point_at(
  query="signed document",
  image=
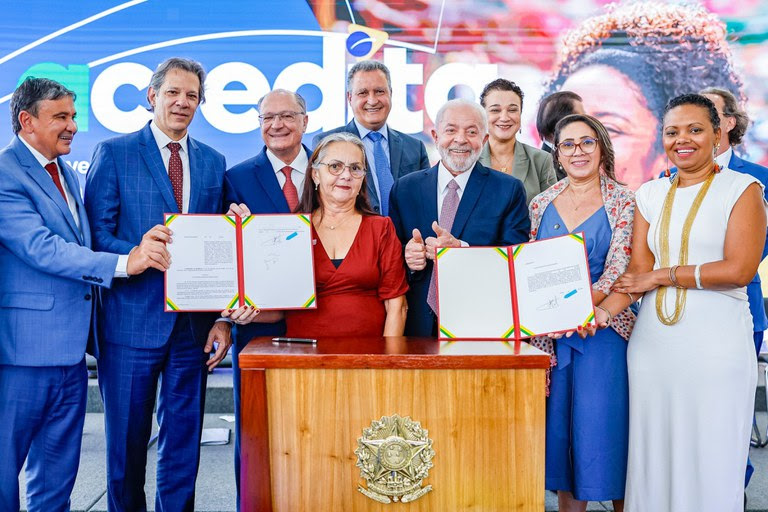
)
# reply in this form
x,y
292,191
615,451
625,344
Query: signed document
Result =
x,y
220,262
514,292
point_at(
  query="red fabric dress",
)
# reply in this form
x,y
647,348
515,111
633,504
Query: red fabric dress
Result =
x,y
350,299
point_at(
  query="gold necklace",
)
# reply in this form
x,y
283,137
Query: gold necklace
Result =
x,y
332,228
506,169
662,232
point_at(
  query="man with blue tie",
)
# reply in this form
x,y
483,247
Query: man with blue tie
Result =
x,y
133,180
475,206
390,154
48,286
270,182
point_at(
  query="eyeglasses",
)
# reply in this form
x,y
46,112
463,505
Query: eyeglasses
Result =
x,y
286,117
568,147
336,167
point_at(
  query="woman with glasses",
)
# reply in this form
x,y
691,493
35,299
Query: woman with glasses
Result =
x,y
699,236
587,409
503,103
359,268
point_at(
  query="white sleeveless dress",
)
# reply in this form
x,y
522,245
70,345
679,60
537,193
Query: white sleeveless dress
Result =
x,y
692,384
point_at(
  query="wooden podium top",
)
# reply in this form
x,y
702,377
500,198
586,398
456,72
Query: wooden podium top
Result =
x,y
391,352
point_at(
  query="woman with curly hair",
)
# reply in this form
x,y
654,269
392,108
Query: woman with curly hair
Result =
x,y
629,62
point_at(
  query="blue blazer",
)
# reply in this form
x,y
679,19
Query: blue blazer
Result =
x,y
48,270
754,288
127,192
406,155
493,211
254,183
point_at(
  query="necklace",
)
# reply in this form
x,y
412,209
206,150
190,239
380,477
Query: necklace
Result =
x,y
333,227
506,169
662,232
571,195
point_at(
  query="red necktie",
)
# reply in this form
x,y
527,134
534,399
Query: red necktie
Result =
x,y
289,189
53,170
176,173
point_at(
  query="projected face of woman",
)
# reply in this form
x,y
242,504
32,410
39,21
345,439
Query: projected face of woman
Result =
x,y
619,104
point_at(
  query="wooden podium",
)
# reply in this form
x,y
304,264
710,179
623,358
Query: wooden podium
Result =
x,y
305,406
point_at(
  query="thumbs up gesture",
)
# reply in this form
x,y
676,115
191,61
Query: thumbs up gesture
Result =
x,y
444,239
415,252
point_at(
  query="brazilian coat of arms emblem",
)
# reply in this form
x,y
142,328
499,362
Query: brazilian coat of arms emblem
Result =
x,y
394,456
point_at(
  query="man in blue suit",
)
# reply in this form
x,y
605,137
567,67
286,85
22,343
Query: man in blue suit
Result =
x,y
133,180
733,123
390,154
475,206
270,182
47,291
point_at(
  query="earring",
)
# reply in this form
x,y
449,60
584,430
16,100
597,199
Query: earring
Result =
x,y
667,172
317,184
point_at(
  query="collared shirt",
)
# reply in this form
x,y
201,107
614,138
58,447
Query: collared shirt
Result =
x,y
443,177
162,141
121,269
71,203
368,143
724,160
548,144
299,166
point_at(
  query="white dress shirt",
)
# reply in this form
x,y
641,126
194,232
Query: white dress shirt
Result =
x,y
162,141
725,159
299,166
122,259
444,176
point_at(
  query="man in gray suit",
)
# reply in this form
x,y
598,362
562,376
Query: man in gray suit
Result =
x,y
391,154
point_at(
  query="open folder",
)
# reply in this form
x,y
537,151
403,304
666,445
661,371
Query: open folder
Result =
x,y
514,292
220,262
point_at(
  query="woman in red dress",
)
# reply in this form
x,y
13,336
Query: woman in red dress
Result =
x,y
359,267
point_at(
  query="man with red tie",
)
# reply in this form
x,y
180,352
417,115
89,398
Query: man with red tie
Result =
x,y
133,180
270,182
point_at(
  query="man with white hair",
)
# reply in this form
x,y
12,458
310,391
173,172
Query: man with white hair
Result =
x,y
456,203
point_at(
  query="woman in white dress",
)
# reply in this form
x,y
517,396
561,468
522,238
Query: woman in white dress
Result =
x,y
698,238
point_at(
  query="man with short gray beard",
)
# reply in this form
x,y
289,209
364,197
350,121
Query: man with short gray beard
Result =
x,y
456,203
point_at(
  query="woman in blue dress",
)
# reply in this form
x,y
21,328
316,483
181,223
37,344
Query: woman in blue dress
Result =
x,y
587,409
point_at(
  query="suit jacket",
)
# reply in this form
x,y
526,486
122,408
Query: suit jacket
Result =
x,y
48,270
406,155
754,288
531,166
492,211
254,183
127,192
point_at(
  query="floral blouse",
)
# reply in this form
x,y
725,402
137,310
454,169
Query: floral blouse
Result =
x,y
619,203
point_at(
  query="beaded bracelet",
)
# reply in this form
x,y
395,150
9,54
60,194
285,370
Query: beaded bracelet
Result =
x,y
697,277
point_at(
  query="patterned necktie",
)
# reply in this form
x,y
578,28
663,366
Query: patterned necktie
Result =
x,y
176,173
289,189
53,170
447,215
383,170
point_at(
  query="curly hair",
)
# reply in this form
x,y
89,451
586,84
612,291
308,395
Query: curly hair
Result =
x,y
732,109
666,49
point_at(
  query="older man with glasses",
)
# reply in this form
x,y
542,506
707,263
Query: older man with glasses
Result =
x,y
268,183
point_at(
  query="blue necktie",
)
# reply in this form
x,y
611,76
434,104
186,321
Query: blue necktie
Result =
x,y
383,172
